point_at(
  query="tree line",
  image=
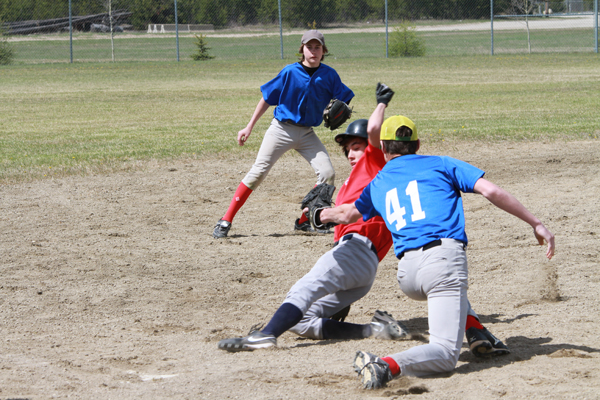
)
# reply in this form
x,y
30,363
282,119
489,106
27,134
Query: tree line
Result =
x,y
232,13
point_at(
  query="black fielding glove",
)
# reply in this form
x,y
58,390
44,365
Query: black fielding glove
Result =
x,y
383,93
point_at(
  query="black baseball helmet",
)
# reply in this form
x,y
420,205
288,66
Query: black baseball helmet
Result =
x,y
356,128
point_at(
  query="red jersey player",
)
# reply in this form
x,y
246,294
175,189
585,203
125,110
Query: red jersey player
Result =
x,y
315,307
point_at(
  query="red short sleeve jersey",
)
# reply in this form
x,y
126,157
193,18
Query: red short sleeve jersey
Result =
x,y
362,174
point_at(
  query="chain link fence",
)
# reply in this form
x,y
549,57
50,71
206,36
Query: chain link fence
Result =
x,y
49,31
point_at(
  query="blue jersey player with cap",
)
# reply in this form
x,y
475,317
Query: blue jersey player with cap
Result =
x,y
316,306
419,198
300,93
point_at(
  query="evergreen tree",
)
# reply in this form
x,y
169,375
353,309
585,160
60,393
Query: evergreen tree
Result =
x,y
202,52
405,43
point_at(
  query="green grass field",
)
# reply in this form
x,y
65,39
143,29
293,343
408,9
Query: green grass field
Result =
x,y
141,46
60,119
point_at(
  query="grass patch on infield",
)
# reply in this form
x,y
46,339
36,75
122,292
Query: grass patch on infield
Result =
x,y
60,119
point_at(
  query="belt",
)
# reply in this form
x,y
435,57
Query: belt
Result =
x,y
293,123
351,236
428,246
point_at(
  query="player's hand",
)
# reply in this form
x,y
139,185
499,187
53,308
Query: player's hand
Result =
x,y
543,234
243,136
383,93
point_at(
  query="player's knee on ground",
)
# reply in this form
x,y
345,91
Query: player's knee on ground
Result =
x,y
449,354
448,363
426,360
442,365
448,358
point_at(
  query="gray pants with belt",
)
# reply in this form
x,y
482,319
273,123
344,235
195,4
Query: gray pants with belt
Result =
x,y
439,276
281,137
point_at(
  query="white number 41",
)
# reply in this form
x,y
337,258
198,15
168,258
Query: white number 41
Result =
x,y
395,213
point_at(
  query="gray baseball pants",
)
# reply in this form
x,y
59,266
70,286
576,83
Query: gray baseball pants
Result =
x,y
281,137
439,276
339,278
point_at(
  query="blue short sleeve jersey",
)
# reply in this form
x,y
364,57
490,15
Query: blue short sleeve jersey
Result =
x,y
419,198
301,98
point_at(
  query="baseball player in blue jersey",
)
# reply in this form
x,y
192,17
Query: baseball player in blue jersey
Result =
x,y
419,198
300,93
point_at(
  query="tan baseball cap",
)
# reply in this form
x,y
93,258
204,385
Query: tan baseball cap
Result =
x,y
392,124
313,34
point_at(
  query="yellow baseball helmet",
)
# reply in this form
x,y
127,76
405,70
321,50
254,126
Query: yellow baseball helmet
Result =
x,y
392,124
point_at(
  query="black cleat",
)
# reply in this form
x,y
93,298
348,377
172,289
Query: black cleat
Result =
x,y
256,340
373,372
341,315
483,344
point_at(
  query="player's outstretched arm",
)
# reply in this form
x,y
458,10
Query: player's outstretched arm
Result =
x,y
374,125
383,95
507,202
261,107
342,214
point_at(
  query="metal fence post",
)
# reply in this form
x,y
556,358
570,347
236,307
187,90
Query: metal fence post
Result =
x,y
492,23
386,31
176,31
112,32
71,31
280,29
596,25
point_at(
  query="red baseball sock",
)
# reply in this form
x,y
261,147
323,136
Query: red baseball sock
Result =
x,y
303,217
473,322
239,198
394,367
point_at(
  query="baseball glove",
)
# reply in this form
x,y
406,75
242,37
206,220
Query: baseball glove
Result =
x,y
335,114
316,200
383,93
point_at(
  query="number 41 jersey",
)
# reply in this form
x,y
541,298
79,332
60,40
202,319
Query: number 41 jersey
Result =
x,y
419,198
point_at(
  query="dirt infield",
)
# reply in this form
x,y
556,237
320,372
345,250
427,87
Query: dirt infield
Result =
x,y
113,287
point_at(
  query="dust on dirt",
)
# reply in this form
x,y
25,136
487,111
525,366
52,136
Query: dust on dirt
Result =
x,y
113,286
